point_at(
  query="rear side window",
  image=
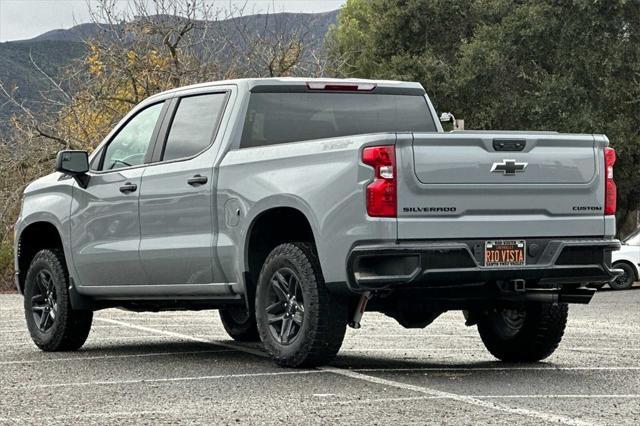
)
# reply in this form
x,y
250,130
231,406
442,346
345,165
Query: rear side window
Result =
x,y
274,118
193,126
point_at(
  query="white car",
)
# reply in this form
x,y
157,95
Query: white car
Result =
x,y
627,259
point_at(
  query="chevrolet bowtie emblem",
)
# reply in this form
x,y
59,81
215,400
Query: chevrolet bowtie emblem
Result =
x,y
508,167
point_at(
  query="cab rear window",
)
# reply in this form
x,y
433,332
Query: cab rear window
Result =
x,y
275,118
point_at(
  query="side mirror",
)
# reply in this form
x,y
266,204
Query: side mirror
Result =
x,y
446,117
75,164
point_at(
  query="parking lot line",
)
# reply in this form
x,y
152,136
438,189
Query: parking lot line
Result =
x,y
481,349
429,397
164,379
109,357
185,336
512,368
540,415
109,415
24,329
29,342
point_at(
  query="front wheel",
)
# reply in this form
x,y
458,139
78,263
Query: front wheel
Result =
x,y
527,333
52,323
299,321
624,281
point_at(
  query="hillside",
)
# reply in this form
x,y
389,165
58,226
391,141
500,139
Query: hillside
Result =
x,y
54,50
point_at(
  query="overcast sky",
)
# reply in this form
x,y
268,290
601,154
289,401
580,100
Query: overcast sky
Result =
x,y
23,19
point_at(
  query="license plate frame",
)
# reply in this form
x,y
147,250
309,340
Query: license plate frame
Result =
x,y
505,253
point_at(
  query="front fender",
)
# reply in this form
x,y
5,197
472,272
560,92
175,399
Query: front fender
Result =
x,y
48,200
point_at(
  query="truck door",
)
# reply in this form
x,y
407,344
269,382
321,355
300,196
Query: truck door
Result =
x,y
177,199
105,226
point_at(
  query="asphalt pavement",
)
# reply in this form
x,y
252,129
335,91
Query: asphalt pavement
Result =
x,y
181,367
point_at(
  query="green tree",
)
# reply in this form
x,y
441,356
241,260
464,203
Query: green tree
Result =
x,y
570,66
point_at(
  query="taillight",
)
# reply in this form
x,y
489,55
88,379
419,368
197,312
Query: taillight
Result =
x,y
381,193
610,186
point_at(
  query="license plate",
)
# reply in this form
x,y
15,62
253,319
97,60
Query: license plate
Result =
x,y
505,253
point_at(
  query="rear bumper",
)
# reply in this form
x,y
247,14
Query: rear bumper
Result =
x,y
553,265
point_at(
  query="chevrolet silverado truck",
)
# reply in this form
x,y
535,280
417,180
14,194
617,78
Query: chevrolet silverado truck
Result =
x,y
292,205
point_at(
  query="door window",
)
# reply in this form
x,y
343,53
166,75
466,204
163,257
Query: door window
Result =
x,y
194,125
129,147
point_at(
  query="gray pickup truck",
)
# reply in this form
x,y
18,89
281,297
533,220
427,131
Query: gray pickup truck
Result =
x,y
292,205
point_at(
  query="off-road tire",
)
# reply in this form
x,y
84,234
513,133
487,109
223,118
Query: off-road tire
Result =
x,y
70,328
626,281
325,317
537,338
239,324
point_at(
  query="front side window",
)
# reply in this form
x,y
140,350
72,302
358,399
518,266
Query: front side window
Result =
x,y
193,125
129,147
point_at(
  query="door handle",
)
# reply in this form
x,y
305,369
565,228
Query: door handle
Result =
x,y
197,180
509,145
128,188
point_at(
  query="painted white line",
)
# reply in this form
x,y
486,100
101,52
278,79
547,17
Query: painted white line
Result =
x,y
110,415
420,398
110,357
163,380
540,415
365,334
546,417
185,336
481,349
599,349
24,329
97,339
567,396
425,350
514,368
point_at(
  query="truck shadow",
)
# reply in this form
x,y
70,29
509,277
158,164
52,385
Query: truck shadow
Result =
x,y
373,363
636,286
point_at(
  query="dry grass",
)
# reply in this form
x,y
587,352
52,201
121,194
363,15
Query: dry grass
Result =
x,y
6,281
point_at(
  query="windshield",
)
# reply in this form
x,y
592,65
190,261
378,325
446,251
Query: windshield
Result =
x,y
633,239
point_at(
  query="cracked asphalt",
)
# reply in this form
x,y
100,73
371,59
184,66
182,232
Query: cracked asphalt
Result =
x,y
181,367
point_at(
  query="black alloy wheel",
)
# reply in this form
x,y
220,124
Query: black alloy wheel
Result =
x,y
301,324
54,325
285,310
44,303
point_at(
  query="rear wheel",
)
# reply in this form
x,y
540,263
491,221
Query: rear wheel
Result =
x,y
240,324
52,323
300,322
523,334
624,281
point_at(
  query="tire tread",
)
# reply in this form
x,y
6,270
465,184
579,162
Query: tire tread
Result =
x,y
539,337
321,344
73,326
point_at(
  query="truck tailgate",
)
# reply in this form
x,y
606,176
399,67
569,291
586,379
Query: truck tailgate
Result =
x,y
500,184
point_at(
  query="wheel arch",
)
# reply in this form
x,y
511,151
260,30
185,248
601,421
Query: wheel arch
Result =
x,y
32,238
269,228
